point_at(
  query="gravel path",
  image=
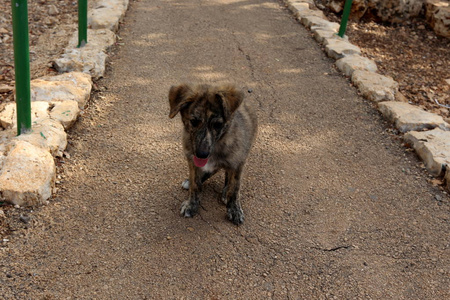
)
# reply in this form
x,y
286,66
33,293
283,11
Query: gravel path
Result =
x,y
335,207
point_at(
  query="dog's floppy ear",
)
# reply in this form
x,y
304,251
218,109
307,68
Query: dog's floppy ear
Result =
x,y
178,95
231,99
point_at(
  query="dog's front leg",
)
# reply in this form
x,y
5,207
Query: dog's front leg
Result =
x,y
233,182
189,208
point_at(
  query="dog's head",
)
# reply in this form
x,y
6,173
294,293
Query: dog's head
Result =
x,y
206,113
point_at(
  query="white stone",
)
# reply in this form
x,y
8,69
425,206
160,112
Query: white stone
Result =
x,y
6,88
5,137
311,19
91,58
47,134
7,115
351,63
433,147
437,13
375,87
74,86
337,48
39,110
324,30
320,35
407,117
107,14
66,112
335,6
98,40
333,26
310,3
28,175
89,62
296,7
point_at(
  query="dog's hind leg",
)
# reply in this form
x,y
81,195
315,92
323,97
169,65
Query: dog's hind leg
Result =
x,y
231,189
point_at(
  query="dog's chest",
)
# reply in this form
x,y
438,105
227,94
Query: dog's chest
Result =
x,y
210,166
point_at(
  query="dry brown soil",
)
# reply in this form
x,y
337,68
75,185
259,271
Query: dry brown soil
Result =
x,y
412,54
335,207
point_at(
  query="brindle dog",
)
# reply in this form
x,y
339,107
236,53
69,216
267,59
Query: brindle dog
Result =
x,y
219,130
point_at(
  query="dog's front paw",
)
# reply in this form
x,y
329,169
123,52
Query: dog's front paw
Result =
x,y
188,209
185,184
235,215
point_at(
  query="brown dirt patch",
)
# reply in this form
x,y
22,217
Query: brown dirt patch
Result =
x,y
51,23
412,54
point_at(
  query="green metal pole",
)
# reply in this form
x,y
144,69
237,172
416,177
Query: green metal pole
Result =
x,y
82,22
21,64
345,15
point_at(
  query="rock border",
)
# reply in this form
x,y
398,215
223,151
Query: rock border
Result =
x,y
427,133
27,164
28,170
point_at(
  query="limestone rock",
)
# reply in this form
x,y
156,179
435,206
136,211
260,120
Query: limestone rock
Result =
x,y
74,86
91,58
66,112
335,6
310,4
8,117
433,147
80,60
28,175
375,87
358,9
337,48
107,14
2,159
39,110
437,13
320,35
5,137
324,30
6,88
351,63
325,24
98,40
407,117
47,134
392,11
311,17
296,7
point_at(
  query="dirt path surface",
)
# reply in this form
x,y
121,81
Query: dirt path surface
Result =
x,y
335,207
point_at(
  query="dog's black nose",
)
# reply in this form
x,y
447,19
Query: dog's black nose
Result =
x,y
202,153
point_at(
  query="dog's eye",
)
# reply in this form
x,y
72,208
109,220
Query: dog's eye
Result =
x,y
217,125
195,122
